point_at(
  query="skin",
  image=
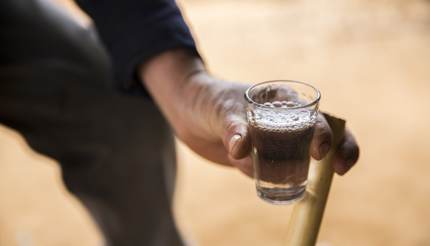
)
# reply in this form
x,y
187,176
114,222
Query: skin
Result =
x,y
208,114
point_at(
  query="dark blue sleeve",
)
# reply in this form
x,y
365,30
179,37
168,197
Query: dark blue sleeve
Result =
x,y
135,30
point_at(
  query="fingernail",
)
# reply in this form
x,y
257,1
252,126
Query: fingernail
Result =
x,y
324,148
232,145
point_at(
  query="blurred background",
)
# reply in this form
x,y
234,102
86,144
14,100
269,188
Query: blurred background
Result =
x,y
371,61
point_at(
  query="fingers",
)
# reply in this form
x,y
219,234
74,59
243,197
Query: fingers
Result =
x,y
237,142
322,139
236,138
347,154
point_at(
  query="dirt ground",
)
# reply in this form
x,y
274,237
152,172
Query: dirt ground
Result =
x,y
370,59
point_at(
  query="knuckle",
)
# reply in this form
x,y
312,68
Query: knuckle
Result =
x,y
231,125
234,123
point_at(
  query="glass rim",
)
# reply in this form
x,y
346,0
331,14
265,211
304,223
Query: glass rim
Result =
x,y
313,102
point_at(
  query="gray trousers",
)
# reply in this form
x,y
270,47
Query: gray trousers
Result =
x,y
116,150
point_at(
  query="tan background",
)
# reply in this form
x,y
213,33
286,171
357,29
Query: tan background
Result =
x,y
370,59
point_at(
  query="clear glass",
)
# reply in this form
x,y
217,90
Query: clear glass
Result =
x,y
281,118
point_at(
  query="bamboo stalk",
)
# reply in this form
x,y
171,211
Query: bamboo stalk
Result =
x,y
307,214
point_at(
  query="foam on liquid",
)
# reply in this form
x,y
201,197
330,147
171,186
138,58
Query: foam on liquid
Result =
x,y
278,117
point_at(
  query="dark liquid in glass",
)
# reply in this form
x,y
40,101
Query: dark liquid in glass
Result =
x,y
281,156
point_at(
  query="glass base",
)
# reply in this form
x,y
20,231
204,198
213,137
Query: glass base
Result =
x,y
281,196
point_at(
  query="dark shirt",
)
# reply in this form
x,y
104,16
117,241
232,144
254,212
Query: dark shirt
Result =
x,y
135,30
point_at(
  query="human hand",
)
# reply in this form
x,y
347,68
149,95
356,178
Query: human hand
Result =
x,y
223,111
208,114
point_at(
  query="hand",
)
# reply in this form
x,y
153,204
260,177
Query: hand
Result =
x,y
208,114
227,140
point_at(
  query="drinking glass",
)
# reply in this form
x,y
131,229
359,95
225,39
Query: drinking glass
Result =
x,y
281,118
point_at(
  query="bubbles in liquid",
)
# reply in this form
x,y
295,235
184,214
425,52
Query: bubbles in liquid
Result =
x,y
290,104
277,104
276,118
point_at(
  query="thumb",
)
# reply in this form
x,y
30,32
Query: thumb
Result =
x,y
236,138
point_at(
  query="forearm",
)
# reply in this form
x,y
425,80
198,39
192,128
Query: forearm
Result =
x,y
168,78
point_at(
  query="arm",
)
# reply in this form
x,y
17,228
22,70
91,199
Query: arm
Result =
x,y
151,38
195,104
208,114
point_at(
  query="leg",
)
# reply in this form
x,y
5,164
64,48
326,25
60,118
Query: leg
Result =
x,y
126,187
113,149
115,154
